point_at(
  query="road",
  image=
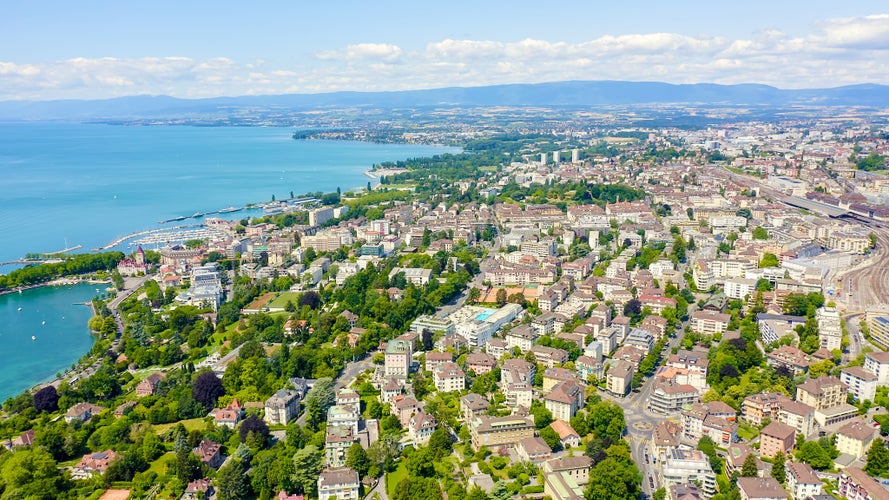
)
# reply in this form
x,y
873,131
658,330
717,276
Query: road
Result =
x,y
345,378
641,422
130,286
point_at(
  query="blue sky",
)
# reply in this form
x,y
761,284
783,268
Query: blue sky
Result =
x,y
99,49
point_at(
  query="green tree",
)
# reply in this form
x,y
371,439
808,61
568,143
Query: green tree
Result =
x,y
232,482
760,234
551,437
417,488
769,260
473,295
306,469
749,468
660,494
813,454
356,458
421,463
31,473
440,443
779,471
614,480
501,297
877,458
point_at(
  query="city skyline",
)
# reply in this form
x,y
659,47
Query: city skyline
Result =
x,y
104,49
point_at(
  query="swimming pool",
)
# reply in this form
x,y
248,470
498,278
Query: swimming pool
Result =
x,y
485,315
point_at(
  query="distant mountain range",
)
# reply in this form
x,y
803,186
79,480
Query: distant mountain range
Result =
x,y
572,93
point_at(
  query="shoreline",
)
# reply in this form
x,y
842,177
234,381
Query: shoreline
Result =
x,y
56,282
79,367
383,172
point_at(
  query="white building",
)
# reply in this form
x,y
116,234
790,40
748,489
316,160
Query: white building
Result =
x,y
862,383
281,407
341,484
878,363
830,332
448,377
689,466
802,482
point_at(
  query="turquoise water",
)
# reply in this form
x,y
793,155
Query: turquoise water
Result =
x,y
65,184
485,315
58,320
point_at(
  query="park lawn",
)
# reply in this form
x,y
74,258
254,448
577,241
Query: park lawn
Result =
x,y
492,168
747,432
158,466
190,425
393,478
281,300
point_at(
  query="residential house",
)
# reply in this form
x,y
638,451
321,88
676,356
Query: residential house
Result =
x,y
480,362
522,337
761,488
209,453
685,492
588,368
448,377
855,484
397,358
435,359
339,484
473,405
877,362
802,482
337,441
798,415
81,412
421,427
735,456
534,449
281,407
689,466
669,397
619,378
709,322
568,437
564,400
552,376
549,356
789,357
776,437
666,437
200,489
228,416
855,438
822,392
93,463
148,386
862,383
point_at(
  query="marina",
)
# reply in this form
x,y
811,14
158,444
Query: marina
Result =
x,y
166,237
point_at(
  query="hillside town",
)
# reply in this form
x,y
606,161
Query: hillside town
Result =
x,y
669,313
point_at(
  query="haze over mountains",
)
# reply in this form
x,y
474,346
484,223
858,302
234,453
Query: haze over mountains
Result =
x,y
569,94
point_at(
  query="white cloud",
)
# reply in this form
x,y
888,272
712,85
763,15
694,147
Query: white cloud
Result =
x,y
363,51
836,52
869,32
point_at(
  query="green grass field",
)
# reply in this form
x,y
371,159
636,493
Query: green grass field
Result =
x,y
281,300
158,466
190,425
393,478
